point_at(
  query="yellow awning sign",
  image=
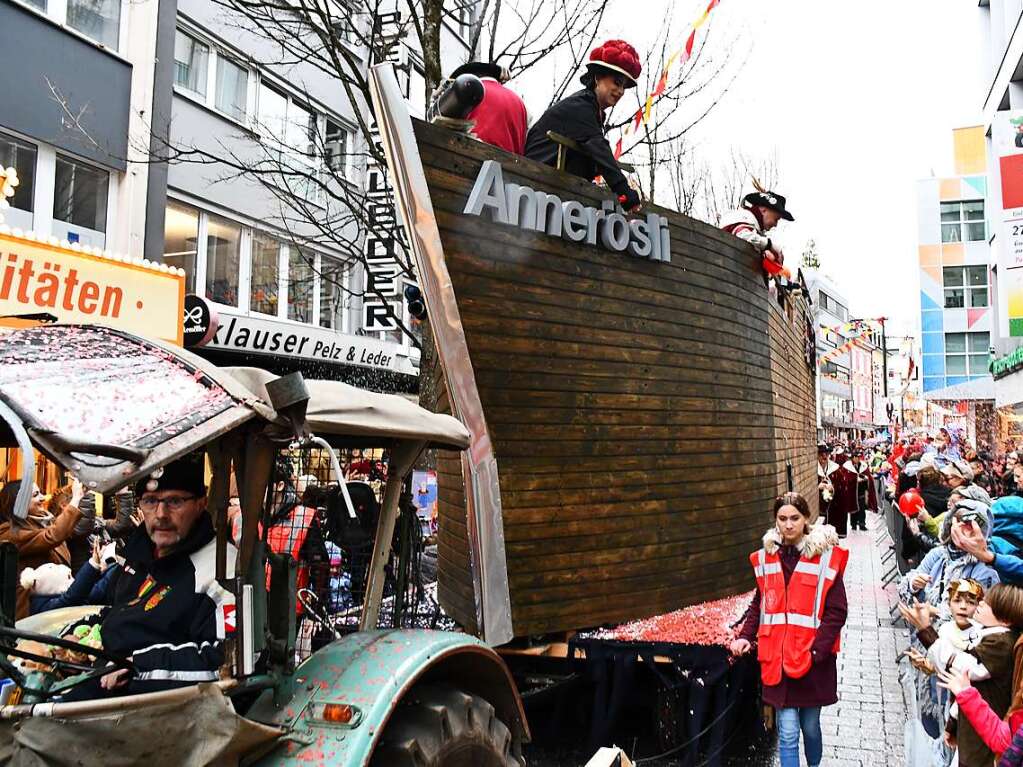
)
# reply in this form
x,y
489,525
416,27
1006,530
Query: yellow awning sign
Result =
x,y
90,287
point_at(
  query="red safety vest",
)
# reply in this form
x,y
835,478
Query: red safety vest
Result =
x,y
288,537
790,615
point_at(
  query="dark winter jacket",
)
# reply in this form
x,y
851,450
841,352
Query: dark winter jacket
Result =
x,y
995,652
819,687
169,615
578,117
935,498
88,588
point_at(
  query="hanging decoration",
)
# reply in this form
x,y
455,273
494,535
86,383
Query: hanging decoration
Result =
x,y
857,340
681,56
8,182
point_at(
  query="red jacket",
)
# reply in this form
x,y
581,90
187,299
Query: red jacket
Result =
x,y
501,117
993,730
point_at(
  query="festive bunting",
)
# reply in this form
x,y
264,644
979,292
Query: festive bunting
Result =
x,y
680,56
838,351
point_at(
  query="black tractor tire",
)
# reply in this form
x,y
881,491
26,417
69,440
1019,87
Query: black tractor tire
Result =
x,y
440,726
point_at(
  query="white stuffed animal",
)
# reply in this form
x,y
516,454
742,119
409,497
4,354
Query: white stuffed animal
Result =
x,y
46,580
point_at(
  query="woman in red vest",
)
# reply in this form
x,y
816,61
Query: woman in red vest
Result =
x,y
795,621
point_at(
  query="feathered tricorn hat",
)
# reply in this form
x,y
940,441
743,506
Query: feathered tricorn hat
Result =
x,y
767,199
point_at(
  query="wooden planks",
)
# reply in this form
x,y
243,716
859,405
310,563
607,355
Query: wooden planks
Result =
x,y
643,413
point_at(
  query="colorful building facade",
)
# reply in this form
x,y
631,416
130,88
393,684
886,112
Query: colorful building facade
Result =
x,y
955,282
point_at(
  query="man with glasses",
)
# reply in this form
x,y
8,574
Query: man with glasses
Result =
x,y
169,614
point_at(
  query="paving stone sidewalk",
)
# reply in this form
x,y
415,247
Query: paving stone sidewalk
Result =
x,y
865,728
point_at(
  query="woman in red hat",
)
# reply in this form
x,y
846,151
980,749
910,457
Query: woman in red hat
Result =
x,y
611,70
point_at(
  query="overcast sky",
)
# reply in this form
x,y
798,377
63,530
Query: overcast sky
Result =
x,y
859,100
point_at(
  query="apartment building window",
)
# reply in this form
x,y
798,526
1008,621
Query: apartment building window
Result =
x,y
80,194
21,156
290,132
462,14
332,293
337,146
191,60
210,76
962,221
965,287
966,354
829,304
266,274
181,240
301,281
232,91
99,20
223,258
344,26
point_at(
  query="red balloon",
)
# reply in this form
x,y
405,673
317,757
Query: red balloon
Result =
x,y
911,503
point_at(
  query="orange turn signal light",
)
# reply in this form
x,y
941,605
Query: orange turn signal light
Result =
x,y
338,713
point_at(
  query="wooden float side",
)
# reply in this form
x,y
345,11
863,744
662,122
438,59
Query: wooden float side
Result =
x,y
642,413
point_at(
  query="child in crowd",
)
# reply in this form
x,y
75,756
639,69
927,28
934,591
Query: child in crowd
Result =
x,y
51,586
987,669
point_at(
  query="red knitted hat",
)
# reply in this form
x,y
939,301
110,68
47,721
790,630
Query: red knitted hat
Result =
x,y
618,56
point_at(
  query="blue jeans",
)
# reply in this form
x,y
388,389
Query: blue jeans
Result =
x,y
790,722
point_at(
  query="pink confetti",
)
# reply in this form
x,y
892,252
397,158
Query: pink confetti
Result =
x,y
708,623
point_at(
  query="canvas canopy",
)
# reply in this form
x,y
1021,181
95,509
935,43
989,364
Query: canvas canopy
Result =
x,y
336,408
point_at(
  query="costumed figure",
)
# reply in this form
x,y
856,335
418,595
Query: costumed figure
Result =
x,y
501,118
844,501
796,621
866,494
612,68
760,213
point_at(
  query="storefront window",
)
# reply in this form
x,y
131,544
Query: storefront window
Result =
x,y
265,283
99,20
223,241
180,240
22,157
332,294
301,278
80,194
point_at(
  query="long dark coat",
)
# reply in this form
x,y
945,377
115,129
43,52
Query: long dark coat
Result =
x,y
819,687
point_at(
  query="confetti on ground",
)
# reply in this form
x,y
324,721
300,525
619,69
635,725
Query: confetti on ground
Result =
x,y
708,623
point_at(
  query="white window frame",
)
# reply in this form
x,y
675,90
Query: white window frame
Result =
x,y
966,288
969,352
56,11
963,222
218,51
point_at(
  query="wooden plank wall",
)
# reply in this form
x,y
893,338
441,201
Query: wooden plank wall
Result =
x,y
637,408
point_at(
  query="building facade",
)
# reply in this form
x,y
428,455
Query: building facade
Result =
x,y
90,110
955,286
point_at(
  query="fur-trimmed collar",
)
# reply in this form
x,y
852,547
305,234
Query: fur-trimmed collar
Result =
x,y
820,538
832,468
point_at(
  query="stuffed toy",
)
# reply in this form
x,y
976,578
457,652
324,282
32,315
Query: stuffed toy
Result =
x,y
46,580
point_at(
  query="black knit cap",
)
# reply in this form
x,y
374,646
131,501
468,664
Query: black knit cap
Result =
x,y
186,474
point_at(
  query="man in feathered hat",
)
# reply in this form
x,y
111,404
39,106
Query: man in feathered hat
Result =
x,y
760,213
611,70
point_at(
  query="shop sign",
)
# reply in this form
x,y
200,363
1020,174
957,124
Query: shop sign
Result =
x,y
199,322
1007,142
529,209
255,335
1010,363
84,287
381,305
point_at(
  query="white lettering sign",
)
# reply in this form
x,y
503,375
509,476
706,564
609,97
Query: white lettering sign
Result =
x,y
527,208
262,336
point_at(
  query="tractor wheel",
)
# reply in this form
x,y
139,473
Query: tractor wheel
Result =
x,y
440,726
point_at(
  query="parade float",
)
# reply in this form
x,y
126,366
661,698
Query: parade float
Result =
x,y
635,393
